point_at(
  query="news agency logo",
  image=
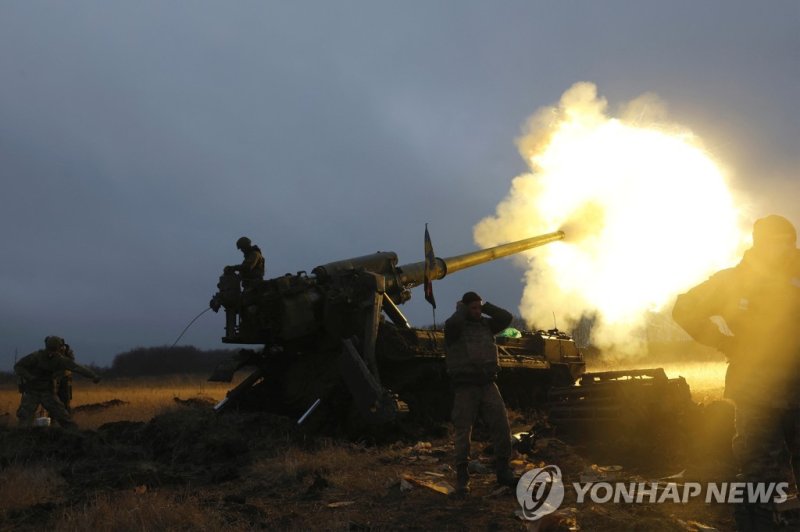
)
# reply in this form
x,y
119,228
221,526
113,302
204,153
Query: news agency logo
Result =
x,y
540,492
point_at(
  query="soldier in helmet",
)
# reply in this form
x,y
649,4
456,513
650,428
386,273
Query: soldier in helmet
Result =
x,y
750,312
64,381
252,267
472,366
38,373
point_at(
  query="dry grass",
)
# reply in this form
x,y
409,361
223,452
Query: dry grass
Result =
x,y
24,486
145,398
349,469
281,488
131,511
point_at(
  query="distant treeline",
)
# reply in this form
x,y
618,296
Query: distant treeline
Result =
x,y
165,360
154,361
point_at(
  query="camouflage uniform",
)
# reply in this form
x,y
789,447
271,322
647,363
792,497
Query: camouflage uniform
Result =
x,y
64,382
472,366
766,440
760,304
253,265
38,372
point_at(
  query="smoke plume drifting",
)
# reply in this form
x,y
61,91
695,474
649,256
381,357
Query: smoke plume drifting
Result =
x,y
646,211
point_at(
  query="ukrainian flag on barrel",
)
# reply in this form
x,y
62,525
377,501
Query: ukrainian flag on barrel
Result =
x,y
430,267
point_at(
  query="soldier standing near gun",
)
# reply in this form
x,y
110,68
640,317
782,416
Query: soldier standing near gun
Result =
x,y
64,382
252,267
759,304
472,366
38,373
235,291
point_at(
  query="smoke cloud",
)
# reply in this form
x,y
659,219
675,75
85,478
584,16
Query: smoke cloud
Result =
x,y
647,213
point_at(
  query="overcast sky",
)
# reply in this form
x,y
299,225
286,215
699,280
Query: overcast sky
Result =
x,y
139,140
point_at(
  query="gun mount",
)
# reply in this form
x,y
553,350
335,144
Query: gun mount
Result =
x,y
325,336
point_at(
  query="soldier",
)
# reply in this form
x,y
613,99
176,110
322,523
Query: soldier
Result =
x,y
472,366
252,267
64,382
38,372
750,312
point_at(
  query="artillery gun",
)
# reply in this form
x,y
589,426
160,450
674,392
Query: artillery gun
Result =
x,y
327,340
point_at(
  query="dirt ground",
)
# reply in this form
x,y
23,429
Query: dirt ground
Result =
x,y
156,456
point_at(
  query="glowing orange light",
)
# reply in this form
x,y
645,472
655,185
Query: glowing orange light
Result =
x,y
647,214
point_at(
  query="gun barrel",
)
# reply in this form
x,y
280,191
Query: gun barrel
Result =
x,y
413,274
468,260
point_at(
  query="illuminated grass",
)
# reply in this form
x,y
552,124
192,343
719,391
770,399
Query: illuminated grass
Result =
x,y
145,398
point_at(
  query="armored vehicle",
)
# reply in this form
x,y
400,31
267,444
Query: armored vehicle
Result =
x,y
336,339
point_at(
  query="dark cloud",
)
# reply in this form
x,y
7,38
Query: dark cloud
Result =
x,y
139,140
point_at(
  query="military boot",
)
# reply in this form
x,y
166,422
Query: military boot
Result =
x,y
505,476
462,480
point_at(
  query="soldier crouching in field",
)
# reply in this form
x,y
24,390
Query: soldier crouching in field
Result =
x,y
472,366
38,373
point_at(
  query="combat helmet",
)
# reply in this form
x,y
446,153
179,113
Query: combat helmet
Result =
x,y
243,243
53,343
773,227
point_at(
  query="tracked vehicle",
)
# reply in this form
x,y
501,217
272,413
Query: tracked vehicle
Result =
x,y
336,339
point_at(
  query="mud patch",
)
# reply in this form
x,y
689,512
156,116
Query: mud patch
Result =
x,y
185,446
40,444
195,402
97,407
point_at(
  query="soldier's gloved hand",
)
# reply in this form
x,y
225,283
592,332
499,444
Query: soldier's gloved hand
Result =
x,y
96,379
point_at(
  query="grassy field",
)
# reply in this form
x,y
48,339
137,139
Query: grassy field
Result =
x,y
157,463
147,397
35,492
144,398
